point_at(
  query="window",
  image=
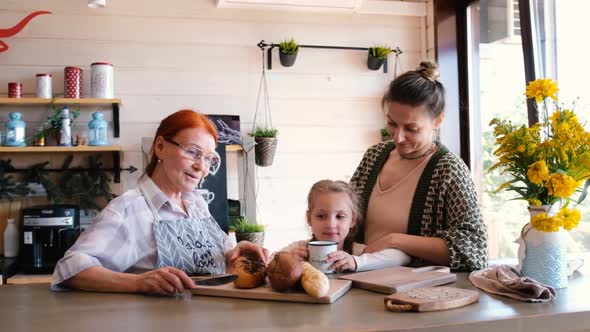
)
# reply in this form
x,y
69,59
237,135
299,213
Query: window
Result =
x,y
497,83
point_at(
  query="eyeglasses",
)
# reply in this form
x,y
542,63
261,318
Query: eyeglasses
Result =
x,y
212,160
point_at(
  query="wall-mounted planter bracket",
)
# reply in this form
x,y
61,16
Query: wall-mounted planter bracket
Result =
x,y
269,47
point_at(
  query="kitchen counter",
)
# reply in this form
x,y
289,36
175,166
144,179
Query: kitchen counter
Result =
x,y
33,307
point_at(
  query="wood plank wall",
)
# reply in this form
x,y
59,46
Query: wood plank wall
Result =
x,y
170,55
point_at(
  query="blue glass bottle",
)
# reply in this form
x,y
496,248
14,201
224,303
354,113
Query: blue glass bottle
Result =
x,y
14,130
97,130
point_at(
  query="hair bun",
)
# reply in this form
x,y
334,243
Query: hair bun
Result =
x,y
428,70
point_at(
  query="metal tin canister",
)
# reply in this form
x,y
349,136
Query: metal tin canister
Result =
x,y
102,80
72,82
44,86
15,90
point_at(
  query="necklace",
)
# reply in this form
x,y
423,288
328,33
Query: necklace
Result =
x,y
417,157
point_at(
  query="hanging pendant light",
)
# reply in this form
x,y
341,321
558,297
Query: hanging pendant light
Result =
x,y
97,3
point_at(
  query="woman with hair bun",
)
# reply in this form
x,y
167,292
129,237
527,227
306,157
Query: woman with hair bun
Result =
x,y
150,239
416,195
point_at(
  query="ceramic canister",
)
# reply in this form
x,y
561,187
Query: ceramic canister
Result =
x,y
44,86
102,80
72,82
15,90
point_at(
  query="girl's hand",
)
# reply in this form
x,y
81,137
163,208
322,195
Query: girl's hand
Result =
x,y
300,251
342,261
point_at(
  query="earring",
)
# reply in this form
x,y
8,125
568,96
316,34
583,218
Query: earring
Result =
x,y
159,161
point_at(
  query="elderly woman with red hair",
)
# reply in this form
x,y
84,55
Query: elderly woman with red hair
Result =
x,y
150,239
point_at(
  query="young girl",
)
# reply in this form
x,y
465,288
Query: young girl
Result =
x,y
333,213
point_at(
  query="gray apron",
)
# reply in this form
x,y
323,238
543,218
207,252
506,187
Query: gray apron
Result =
x,y
193,245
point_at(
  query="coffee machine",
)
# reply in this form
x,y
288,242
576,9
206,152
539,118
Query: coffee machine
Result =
x,y
48,231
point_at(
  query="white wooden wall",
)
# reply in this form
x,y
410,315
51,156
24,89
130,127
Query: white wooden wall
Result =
x,y
170,55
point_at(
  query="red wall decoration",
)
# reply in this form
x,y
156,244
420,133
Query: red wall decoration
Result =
x,y
5,33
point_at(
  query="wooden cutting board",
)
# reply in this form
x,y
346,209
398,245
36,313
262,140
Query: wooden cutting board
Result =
x,y
337,289
431,299
399,279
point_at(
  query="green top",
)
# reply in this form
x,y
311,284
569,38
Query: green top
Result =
x,y
445,204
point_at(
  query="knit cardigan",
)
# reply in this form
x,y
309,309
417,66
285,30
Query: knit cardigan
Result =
x,y
444,205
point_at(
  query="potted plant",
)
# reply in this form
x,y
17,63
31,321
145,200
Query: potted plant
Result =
x,y
385,135
266,145
377,55
246,231
288,52
53,125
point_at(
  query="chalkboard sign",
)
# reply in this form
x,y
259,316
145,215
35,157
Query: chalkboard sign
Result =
x,y
228,128
214,190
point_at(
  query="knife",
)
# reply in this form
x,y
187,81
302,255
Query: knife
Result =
x,y
214,279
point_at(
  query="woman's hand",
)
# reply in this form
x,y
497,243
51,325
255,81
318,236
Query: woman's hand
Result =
x,y
246,246
342,261
385,242
165,281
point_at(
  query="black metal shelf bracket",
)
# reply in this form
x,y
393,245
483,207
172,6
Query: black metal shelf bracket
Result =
x,y
263,45
116,169
116,125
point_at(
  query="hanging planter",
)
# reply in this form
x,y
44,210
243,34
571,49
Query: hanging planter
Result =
x,y
377,56
266,146
288,52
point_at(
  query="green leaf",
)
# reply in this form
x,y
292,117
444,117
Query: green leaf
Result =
x,y
584,191
288,46
265,132
242,225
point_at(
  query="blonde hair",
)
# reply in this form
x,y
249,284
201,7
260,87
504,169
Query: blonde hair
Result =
x,y
331,186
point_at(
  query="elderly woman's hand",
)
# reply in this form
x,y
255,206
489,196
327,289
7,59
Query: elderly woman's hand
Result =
x,y
165,281
244,247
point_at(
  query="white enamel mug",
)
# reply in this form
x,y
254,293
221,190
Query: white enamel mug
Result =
x,y
318,253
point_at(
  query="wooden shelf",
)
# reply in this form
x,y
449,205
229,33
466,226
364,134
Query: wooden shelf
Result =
x,y
44,101
81,148
114,102
233,147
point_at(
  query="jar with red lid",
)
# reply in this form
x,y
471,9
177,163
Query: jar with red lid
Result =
x,y
44,86
72,82
15,90
102,80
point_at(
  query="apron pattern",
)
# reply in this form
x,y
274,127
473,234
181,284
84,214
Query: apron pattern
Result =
x,y
193,245
187,246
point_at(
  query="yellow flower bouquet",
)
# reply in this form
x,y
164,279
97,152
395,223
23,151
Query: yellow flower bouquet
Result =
x,y
549,161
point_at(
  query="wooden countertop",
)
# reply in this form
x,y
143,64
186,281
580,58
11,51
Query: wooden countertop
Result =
x,y
34,307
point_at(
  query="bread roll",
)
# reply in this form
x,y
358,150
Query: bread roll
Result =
x,y
314,282
284,271
251,271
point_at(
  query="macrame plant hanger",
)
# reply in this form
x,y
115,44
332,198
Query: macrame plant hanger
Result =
x,y
262,93
265,137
